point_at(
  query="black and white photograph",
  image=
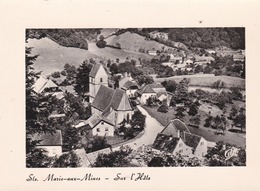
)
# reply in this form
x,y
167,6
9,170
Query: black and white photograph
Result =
x,y
135,97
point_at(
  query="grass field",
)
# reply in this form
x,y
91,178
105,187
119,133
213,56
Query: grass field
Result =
x,y
206,80
133,42
52,57
237,139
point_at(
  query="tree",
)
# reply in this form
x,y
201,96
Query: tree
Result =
x,y
101,43
193,109
236,93
208,121
75,107
82,78
114,69
67,160
170,85
179,112
115,158
163,108
218,85
216,156
181,92
71,138
142,79
241,121
138,120
36,119
233,112
98,143
195,120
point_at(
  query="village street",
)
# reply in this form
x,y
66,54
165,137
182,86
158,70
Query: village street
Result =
x,y
152,128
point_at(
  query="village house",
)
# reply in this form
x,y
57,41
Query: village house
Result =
x,y
154,91
176,138
52,143
152,52
239,57
128,84
46,86
99,126
89,159
211,51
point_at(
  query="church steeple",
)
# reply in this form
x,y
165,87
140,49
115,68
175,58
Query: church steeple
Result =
x,y
98,76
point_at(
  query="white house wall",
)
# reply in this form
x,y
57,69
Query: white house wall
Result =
x,y
201,149
103,129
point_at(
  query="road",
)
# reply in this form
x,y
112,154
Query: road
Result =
x,y
152,128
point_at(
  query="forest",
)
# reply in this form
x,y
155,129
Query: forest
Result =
x,y
198,37
66,37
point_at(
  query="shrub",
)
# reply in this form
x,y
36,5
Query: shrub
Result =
x,y
163,108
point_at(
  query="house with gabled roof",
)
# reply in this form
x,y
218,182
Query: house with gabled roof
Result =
x,y
52,143
171,144
112,104
44,85
177,138
128,84
99,125
154,91
97,77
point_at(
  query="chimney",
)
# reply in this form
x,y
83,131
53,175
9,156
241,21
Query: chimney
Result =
x,y
178,133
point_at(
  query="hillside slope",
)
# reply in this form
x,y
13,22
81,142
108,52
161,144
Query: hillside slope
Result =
x,y
52,57
133,42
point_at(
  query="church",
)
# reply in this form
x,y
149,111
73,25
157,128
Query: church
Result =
x,y
112,105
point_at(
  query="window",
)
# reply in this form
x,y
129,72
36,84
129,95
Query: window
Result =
x,y
98,130
101,79
202,143
180,145
102,122
106,129
181,151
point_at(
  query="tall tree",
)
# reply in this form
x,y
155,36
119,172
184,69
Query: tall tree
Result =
x,y
82,78
36,120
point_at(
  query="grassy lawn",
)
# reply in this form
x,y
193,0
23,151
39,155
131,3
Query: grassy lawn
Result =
x,y
235,138
206,80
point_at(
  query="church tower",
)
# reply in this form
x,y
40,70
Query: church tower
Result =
x,y
97,76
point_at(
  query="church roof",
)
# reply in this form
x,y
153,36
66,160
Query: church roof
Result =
x,y
103,98
107,98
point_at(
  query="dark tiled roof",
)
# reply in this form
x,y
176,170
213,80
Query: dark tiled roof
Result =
x,y
129,84
173,127
146,89
191,140
103,98
107,98
94,70
180,125
48,139
165,143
